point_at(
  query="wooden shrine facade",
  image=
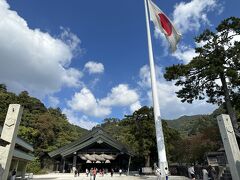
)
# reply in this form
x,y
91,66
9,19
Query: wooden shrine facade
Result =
x,y
96,149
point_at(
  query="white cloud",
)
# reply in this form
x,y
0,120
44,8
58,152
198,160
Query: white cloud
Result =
x,y
170,104
184,54
85,102
144,74
71,77
70,39
93,83
94,67
53,101
135,106
120,95
189,16
33,60
82,121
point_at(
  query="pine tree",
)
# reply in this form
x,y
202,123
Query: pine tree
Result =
x,y
215,72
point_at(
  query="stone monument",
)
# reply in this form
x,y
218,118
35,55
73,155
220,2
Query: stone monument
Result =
x,y
230,144
9,134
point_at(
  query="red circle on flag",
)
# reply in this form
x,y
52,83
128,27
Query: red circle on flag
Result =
x,y
166,24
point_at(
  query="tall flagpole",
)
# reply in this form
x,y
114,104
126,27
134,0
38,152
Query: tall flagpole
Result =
x,y
157,116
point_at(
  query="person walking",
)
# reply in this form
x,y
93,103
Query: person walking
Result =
x,y
166,172
112,171
103,171
120,172
212,173
205,173
91,174
158,173
75,173
13,174
94,173
191,172
87,172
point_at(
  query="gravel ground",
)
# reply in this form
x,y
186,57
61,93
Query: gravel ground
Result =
x,y
67,176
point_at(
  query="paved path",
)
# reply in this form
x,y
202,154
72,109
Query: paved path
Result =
x,y
67,176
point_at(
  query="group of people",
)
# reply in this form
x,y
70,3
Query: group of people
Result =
x,y
158,172
208,173
94,171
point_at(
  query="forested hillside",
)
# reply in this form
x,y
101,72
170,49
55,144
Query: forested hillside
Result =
x,y
190,125
45,128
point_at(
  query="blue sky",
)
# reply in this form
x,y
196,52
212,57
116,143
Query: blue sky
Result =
x,y
90,57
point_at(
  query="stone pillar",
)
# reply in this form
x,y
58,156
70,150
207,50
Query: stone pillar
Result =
x,y
74,162
230,145
9,134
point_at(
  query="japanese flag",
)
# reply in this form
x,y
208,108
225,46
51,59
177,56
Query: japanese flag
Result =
x,y
162,22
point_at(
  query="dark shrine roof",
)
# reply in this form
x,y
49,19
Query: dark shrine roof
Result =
x,y
22,150
19,141
96,135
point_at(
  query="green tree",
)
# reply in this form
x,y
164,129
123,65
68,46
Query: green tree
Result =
x,y
6,98
144,131
217,60
137,131
193,148
34,166
3,88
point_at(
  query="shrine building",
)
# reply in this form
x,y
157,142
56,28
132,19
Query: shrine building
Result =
x,y
95,149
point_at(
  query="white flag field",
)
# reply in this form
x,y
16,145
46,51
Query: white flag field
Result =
x,y
163,23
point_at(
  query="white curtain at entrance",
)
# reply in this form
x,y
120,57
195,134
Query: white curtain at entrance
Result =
x,y
97,157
